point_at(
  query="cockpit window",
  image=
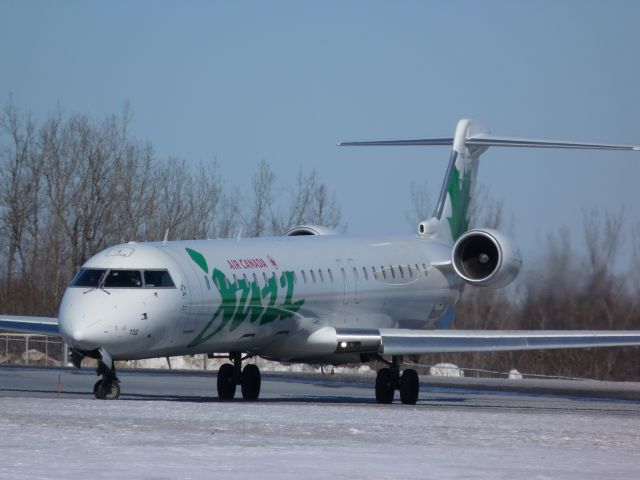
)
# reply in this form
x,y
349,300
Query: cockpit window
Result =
x,y
88,277
104,278
123,279
157,279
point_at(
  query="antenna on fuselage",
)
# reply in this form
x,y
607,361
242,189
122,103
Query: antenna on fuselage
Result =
x,y
166,237
239,234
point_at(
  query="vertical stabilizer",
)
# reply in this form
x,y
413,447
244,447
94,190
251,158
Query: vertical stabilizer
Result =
x,y
452,215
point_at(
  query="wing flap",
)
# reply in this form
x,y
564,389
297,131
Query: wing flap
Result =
x,y
42,325
411,342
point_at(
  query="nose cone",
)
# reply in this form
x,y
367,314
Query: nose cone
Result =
x,y
77,322
65,319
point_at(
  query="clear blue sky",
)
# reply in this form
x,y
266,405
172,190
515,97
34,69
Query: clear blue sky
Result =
x,y
285,80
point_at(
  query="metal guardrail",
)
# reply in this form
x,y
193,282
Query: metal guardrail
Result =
x,y
32,349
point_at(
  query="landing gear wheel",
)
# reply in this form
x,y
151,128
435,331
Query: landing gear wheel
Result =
x,y
250,382
226,382
104,390
385,389
409,387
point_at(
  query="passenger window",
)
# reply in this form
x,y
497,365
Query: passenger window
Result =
x,y
410,271
366,275
235,279
295,277
304,276
313,276
123,279
393,273
330,275
355,274
244,275
88,277
255,278
321,275
384,272
401,271
206,280
264,277
425,269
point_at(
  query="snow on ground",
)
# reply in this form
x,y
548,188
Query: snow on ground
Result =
x,y
81,438
446,370
198,362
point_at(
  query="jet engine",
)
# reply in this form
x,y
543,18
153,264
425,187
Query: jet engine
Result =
x,y
309,230
486,258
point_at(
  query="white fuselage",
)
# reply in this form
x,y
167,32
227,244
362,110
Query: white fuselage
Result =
x,y
266,296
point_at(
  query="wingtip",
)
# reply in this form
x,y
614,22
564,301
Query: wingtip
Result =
x,y
636,148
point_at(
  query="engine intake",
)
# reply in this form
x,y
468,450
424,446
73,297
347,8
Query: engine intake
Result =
x,y
486,258
301,230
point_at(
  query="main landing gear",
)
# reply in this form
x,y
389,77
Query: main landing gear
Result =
x,y
232,375
389,380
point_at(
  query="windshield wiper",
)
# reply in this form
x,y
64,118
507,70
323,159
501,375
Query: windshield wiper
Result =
x,y
99,285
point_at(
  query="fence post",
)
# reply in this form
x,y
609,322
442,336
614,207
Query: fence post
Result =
x,y
65,354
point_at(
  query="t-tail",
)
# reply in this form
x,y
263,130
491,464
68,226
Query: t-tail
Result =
x,y
452,215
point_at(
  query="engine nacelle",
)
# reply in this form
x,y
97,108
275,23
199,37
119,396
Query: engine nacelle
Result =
x,y
486,258
309,230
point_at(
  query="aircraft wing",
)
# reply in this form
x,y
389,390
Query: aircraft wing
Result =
x,y
42,325
389,341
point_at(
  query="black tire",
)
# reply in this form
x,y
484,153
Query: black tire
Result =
x,y
106,390
226,382
96,390
384,386
250,382
409,387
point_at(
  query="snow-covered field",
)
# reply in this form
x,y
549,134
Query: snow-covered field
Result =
x,y
83,438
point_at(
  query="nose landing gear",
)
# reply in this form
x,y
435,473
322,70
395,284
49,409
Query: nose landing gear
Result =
x,y
388,380
108,387
232,375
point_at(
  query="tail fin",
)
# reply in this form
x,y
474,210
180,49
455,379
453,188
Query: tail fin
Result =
x,y
451,218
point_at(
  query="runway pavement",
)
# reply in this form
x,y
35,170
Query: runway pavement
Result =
x,y
197,386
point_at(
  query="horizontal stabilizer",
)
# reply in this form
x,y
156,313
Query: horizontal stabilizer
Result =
x,y
489,140
401,143
41,325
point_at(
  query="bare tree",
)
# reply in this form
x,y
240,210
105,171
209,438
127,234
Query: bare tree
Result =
x,y
257,216
20,201
420,203
310,203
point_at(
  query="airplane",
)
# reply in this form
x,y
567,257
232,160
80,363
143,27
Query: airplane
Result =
x,y
311,296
